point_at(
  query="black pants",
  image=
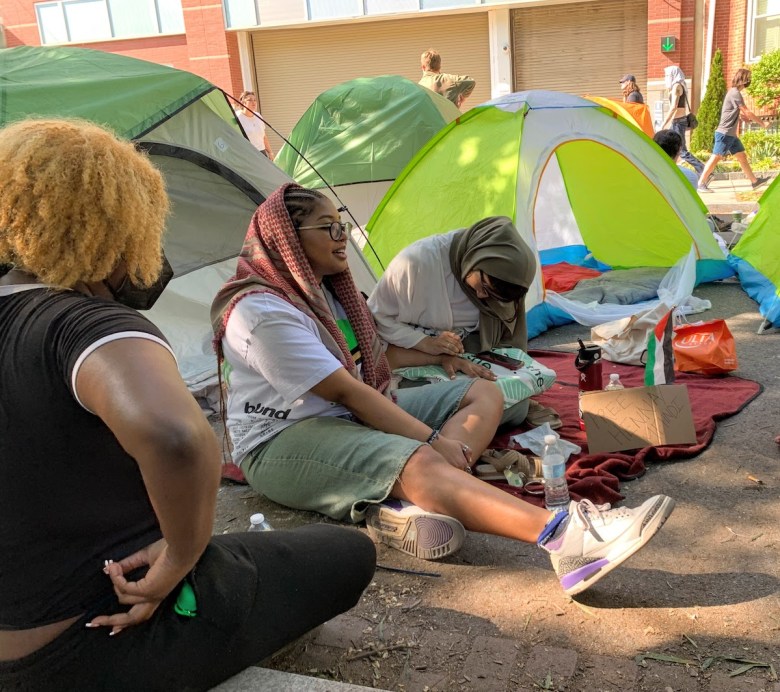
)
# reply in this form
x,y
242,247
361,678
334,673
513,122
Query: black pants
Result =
x,y
255,593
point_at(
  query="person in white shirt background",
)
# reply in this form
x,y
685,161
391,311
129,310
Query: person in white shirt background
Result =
x,y
253,125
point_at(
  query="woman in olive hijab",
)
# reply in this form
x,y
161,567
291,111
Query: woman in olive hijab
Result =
x,y
458,291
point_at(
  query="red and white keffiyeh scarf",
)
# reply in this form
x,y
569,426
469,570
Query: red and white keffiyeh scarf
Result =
x,y
273,261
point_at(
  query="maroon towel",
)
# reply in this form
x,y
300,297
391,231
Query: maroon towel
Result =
x,y
597,476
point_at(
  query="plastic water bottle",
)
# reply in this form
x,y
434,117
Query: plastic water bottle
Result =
x,y
257,522
556,491
614,383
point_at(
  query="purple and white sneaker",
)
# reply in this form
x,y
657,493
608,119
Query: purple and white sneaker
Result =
x,y
594,540
412,530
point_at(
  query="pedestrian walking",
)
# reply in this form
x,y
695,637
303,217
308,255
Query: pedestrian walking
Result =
x,y
630,89
457,88
679,108
726,139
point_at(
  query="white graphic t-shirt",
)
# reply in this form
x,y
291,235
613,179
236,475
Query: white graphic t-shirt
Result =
x,y
273,357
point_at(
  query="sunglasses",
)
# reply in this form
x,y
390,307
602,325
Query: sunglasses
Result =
x,y
336,229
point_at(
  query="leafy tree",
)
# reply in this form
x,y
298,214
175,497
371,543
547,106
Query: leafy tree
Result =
x,y
765,83
709,110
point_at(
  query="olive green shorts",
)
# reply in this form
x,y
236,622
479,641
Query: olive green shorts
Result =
x,y
338,467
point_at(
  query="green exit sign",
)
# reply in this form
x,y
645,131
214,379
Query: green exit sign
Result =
x,y
668,44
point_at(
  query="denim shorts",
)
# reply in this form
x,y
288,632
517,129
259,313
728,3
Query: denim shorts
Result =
x,y
727,144
337,467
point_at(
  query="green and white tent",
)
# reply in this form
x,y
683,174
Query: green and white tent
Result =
x,y
755,256
214,176
359,135
581,185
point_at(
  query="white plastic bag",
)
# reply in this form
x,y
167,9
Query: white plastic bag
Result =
x,y
534,440
674,289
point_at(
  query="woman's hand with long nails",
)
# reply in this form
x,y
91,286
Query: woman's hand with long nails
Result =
x,y
145,595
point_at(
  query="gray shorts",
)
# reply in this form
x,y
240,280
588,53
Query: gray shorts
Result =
x,y
337,467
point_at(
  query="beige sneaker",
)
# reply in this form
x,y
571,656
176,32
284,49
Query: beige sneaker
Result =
x,y
413,531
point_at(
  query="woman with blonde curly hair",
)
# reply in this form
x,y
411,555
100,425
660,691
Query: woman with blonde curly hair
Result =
x,y
109,470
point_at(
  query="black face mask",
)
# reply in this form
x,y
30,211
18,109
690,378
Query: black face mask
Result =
x,y
142,298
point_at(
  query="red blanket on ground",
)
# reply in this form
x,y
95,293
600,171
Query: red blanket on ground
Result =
x,y
597,476
564,277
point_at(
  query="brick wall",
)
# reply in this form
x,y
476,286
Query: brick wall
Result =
x,y
21,27
730,34
670,18
206,49
678,18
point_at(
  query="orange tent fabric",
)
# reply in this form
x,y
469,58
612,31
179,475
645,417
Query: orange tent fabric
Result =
x,y
637,114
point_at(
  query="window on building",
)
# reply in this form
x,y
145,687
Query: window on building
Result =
x,y
330,9
441,4
765,35
240,13
387,6
80,21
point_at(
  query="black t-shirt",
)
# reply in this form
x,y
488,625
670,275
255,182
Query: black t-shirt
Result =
x,y
635,97
70,496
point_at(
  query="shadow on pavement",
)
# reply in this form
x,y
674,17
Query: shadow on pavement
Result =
x,y
680,590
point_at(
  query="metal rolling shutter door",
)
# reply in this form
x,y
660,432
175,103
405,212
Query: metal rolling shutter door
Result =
x,y
294,66
580,48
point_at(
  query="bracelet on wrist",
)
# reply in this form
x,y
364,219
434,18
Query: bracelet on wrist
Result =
x,y
433,437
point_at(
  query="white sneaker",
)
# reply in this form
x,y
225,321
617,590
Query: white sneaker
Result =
x,y
412,530
593,541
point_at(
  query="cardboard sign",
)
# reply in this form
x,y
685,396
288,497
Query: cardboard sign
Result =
x,y
638,417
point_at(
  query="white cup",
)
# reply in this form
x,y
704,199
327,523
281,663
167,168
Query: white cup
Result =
x,y
737,215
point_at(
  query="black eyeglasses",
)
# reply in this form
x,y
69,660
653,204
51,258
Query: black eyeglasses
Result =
x,y
336,229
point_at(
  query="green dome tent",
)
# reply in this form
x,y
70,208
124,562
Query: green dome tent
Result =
x,y
755,256
580,184
360,134
214,176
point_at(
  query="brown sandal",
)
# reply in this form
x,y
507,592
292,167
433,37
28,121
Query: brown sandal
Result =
x,y
501,459
539,415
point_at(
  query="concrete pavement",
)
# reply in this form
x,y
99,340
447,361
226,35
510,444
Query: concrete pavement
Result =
x,y
731,194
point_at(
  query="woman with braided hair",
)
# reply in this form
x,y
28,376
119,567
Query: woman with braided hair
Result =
x,y
312,428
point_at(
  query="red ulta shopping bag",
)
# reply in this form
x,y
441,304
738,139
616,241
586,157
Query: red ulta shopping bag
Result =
x,y
706,348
